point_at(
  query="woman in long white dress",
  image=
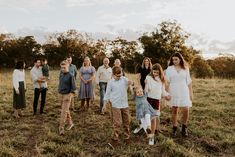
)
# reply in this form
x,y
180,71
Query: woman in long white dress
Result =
x,y
180,89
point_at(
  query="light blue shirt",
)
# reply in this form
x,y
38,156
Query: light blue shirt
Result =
x,y
116,92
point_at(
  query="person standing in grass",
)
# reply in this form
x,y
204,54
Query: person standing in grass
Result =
x,y
40,86
87,74
143,71
155,89
117,94
144,113
103,75
73,72
180,89
66,89
117,62
19,88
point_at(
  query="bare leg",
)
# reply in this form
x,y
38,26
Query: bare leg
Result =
x,y
174,115
185,116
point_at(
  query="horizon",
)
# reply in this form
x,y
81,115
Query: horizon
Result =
x,y
207,21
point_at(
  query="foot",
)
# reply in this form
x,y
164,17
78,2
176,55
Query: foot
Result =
x,y
148,130
137,130
43,112
113,144
70,126
151,141
174,130
184,131
16,115
61,131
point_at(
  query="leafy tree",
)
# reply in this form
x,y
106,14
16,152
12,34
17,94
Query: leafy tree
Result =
x,y
167,39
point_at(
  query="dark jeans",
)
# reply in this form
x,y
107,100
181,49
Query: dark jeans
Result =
x,y
103,86
37,93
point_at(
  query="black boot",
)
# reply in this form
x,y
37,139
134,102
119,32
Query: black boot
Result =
x,y
174,131
184,131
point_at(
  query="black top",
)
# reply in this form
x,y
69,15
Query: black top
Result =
x,y
66,84
143,73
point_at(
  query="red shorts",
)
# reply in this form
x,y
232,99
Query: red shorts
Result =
x,y
155,103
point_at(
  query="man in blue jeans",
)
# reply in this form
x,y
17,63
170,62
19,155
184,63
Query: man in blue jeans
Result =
x,y
103,75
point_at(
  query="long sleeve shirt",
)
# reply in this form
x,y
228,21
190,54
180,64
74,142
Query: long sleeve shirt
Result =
x,y
66,83
116,92
73,70
18,76
36,73
155,88
103,74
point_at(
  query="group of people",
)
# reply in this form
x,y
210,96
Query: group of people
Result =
x,y
174,84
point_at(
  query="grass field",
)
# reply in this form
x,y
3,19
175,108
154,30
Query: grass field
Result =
x,y
211,127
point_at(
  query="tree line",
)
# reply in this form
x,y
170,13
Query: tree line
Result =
x,y
167,38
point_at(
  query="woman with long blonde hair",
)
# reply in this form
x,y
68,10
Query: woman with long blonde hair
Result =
x,y
87,74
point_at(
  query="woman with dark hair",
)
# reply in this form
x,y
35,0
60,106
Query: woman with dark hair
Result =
x,y
143,71
19,88
180,89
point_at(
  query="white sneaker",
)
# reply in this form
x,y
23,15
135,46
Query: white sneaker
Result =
x,y
151,141
137,130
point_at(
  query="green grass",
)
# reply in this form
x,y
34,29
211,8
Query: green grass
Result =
x,y
211,127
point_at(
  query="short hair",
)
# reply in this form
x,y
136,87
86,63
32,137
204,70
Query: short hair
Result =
x,y
117,70
37,59
64,62
19,65
68,56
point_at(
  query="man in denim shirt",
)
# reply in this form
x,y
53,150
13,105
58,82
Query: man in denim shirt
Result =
x,y
73,72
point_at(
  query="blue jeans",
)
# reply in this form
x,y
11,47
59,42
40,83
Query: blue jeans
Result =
x,y
103,86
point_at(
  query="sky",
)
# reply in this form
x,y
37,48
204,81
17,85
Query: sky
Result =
x,y
210,22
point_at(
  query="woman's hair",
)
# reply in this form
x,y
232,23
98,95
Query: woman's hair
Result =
x,y
150,63
19,65
183,63
158,67
83,64
116,70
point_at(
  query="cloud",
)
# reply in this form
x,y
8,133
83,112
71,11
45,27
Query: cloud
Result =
x,y
80,3
25,5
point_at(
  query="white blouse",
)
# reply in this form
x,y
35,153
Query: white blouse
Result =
x,y
155,88
18,76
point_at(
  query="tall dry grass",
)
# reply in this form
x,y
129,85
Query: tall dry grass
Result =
x,y
211,127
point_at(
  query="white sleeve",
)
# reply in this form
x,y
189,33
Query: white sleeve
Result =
x,y
108,91
167,73
188,78
15,80
33,76
97,77
147,87
24,80
164,92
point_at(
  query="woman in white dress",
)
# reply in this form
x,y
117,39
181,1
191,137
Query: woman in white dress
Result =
x,y
180,88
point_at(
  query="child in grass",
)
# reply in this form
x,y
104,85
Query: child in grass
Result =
x,y
117,94
155,89
66,89
45,72
144,112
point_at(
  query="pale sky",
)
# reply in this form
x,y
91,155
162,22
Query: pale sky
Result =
x,y
210,22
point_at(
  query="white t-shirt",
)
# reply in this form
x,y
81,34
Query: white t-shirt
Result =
x,y
155,88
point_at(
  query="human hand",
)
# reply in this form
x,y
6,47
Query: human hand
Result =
x,y
168,97
17,92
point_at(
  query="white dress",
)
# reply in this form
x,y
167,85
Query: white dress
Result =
x,y
178,86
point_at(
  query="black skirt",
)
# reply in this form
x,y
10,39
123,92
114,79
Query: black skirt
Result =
x,y
19,99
